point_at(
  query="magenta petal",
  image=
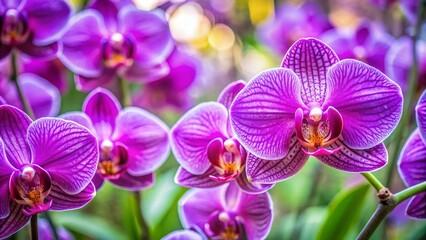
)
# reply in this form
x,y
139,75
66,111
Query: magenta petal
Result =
x,y
154,42
11,4
62,201
262,114
5,167
421,115
369,102
190,180
47,19
183,235
417,206
109,11
107,76
146,139
4,192
321,152
14,222
98,181
251,187
134,183
354,160
4,50
229,93
68,151
13,131
310,59
102,107
271,171
46,52
139,73
80,118
53,71
197,205
412,161
83,38
256,213
44,98
194,131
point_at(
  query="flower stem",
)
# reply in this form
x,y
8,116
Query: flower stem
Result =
x,y
52,225
125,94
409,192
14,78
408,101
139,216
373,181
34,227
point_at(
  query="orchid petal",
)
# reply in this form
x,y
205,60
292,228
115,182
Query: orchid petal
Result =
x,y
47,19
102,107
310,59
146,139
46,52
354,160
68,151
412,161
197,205
4,50
13,131
421,115
80,118
109,11
229,93
262,114
62,201
98,181
190,180
417,206
271,171
14,221
256,213
142,74
83,38
369,102
105,78
134,183
251,187
194,131
183,235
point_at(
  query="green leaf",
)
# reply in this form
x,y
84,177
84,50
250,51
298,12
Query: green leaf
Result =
x,y
343,213
90,226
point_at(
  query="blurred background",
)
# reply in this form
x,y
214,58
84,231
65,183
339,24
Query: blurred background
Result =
x,y
220,41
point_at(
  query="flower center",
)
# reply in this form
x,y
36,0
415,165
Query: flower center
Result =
x,y
117,51
14,28
227,157
223,225
30,187
113,159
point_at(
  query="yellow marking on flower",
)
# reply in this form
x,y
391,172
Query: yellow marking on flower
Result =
x,y
229,234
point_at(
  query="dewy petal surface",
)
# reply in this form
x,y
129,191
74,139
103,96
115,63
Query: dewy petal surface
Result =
x,y
310,59
146,139
355,160
262,114
134,183
412,161
102,107
256,212
64,201
13,131
267,171
83,38
193,132
421,115
190,180
47,19
369,102
14,222
68,151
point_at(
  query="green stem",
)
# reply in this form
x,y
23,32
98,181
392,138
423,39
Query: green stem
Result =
x,y
373,181
34,227
14,78
401,130
409,192
125,94
139,216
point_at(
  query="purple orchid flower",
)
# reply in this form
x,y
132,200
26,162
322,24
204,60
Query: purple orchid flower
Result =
x,y
133,143
45,165
412,161
400,59
205,146
171,91
315,105
43,97
46,232
116,42
409,8
183,235
32,26
226,212
291,23
368,43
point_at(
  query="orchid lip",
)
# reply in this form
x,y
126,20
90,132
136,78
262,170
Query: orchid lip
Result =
x,y
223,225
113,159
14,28
117,51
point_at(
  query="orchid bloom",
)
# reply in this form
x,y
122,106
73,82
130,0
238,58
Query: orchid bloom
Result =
x,y
133,143
32,26
412,161
205,146
225,212
45,165
116,41
315,105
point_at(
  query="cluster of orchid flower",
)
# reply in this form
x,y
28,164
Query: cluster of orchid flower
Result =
x,y
231,152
